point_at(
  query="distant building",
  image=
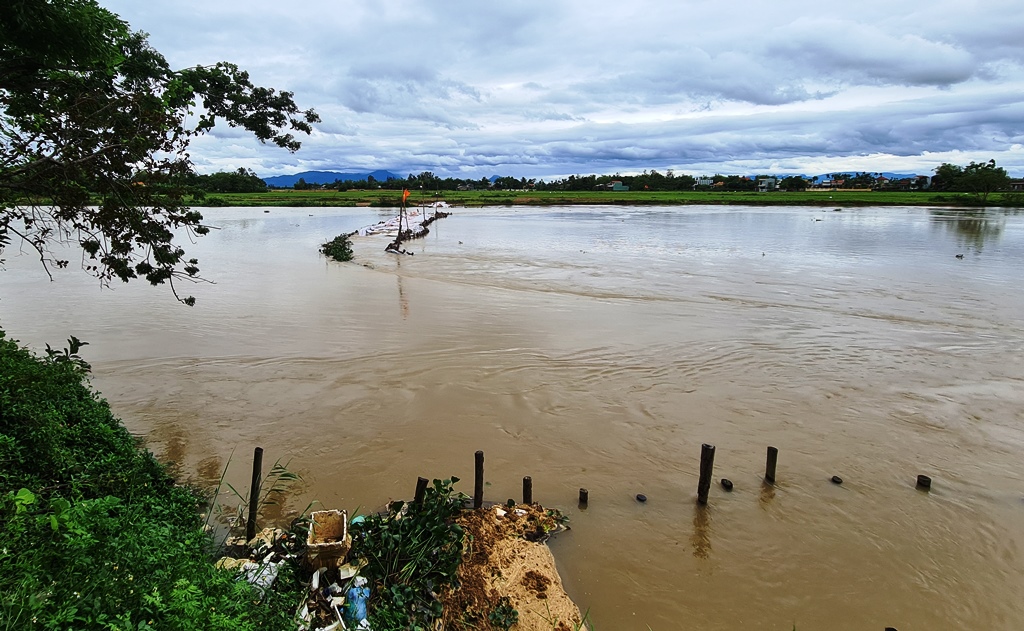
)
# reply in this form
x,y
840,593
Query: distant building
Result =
x,y
766,184
1016,185
617,186
703,181
829,183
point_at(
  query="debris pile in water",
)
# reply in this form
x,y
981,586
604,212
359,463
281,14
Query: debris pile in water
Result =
x,y
426,564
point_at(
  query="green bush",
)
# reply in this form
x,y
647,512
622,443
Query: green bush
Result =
x,y
411,552
339,248
96,534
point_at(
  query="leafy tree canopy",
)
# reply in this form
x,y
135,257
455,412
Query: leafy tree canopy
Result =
x,y
241,181
94,136
979,178
793,183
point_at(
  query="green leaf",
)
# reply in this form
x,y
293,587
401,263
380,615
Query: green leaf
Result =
x,y
22,499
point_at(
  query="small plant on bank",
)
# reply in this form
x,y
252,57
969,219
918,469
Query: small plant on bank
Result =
x,y
70,354
503,616
270,492
412,552
339,248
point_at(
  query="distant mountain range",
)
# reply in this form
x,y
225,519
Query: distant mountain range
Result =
x,y
326,177
891,176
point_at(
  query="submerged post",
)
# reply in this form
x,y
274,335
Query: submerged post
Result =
x,y
769,467
707,464
421,490
478,488
527,490
584,497
254,492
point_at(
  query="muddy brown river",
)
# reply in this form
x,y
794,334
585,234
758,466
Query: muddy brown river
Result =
x,y
599,348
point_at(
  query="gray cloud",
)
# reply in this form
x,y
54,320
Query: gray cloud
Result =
x,y
539,89
864,53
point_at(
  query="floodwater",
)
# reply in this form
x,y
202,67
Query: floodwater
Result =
x,y
599,348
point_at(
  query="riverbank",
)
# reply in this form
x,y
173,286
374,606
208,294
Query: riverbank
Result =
x,y
823,198
98,534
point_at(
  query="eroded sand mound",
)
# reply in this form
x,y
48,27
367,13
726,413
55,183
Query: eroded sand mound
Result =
x,y
505,558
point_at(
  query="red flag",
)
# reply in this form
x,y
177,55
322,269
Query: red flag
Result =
x,y
405,195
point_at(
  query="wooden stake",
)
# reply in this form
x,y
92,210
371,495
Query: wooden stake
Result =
x,y
584,497
254,493
527,490
769,467
707,464
478,488
421,491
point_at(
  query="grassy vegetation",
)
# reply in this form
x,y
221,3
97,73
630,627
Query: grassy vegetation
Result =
x,y
96,534
411,553
385,198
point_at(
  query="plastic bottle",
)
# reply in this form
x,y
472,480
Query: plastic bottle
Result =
x,y
355,604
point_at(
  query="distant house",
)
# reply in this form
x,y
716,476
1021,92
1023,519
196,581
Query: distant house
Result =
x,y
617,186
1016,185
829,183
766,184
703,181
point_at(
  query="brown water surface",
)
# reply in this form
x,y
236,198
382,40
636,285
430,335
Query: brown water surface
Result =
x,y
598,348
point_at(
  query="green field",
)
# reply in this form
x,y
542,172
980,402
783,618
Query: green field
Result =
x,y
387,198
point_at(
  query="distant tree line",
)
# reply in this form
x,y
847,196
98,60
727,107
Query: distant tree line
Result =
x,y
427,181
978,178
240,181
646,181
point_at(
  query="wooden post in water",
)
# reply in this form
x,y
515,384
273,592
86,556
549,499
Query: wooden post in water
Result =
x,y
527,490
254,493
478,488
769,467
707,464
584,497
421,490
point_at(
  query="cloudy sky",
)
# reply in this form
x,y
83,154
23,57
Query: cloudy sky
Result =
x,y
545,88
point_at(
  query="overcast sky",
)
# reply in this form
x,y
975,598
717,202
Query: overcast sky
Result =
x,y
536,88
